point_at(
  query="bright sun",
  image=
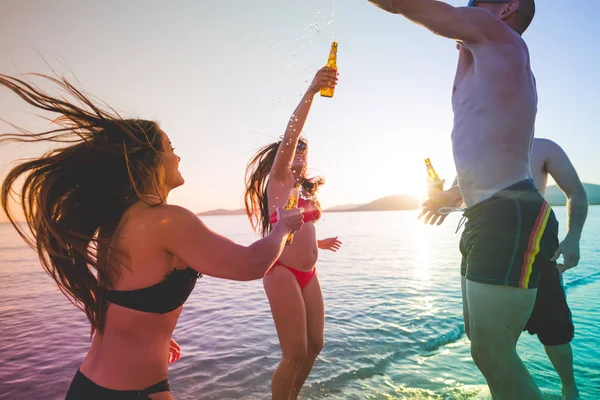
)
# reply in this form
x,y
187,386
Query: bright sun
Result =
x,y
413,183
417,189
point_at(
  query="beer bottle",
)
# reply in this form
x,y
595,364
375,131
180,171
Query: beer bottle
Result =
x,y
332,63
292,202
434,183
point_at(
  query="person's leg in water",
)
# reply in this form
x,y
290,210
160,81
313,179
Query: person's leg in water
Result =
x,y
497,315
466,317
315,319
289,315
561,357
552,321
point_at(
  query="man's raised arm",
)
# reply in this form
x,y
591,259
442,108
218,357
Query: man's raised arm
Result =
x,y
465,24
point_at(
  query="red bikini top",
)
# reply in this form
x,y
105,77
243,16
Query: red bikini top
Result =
x,y
311,211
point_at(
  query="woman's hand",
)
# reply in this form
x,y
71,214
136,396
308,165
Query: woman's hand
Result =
x,y
291,220
325,77
332,244
174,351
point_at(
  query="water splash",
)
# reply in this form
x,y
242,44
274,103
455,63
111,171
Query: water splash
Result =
x,y
306,24
332,21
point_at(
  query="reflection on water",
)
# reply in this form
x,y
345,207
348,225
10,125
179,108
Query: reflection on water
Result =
x,y
393,320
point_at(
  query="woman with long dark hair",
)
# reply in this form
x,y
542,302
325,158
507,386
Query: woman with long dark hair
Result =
x,y
292,285
97,214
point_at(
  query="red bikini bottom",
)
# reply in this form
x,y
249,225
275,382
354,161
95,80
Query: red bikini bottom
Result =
x,y
303,277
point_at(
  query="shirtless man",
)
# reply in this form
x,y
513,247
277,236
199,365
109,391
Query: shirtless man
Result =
x,y
510,228
551,317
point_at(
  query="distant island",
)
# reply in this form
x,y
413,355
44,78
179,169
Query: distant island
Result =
x,y
221,211
388,203
554,196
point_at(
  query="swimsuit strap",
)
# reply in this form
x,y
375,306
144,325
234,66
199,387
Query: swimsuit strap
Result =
x,y
450,210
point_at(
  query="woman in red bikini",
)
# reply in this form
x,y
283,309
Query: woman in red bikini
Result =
x,y
292,284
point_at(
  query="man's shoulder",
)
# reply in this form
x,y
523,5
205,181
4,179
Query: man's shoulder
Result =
x,y
544,145
548,151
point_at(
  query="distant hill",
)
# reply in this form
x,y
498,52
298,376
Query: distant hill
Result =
x,y
221,211
390,203
342,208
556,197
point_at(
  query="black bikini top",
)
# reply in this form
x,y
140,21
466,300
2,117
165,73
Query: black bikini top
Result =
x,y
166,296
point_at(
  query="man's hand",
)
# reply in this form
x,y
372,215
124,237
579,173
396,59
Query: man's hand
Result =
x,y
448,198
569,248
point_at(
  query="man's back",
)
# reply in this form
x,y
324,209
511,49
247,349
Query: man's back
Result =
x,y
495,103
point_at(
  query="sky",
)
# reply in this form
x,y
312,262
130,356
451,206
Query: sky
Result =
x,y
223,77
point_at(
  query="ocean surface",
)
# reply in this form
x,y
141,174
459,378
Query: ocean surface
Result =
x,y
394,327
